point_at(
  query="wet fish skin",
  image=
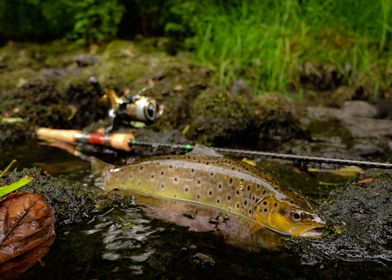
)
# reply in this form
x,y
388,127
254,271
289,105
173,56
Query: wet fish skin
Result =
x,y
222,183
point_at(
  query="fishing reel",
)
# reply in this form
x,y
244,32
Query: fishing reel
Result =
x,y
128,108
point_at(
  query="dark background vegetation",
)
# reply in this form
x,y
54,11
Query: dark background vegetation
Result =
x,y
262,42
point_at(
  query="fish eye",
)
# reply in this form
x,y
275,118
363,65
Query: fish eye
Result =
x,y
295,216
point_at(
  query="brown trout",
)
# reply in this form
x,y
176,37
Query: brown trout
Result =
x,y
206,179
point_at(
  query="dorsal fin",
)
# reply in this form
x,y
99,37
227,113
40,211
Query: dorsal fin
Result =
x,y
97,166
201,150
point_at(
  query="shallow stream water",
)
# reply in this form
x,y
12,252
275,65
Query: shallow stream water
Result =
x,y
122,243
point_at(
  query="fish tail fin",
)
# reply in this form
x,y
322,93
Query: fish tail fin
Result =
x,y
98,166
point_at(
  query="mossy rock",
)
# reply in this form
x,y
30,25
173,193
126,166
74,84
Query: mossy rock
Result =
x,y
276,118
120,64
72,203
219,117
17,78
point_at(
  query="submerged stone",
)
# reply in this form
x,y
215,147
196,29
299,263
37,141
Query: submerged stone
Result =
x,y
361,222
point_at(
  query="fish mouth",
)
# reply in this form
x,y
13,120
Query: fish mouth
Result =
x,y
315,232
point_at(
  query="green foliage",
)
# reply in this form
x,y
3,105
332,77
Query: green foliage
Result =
x,y
35,19
264,42
96,20
84,21
6,189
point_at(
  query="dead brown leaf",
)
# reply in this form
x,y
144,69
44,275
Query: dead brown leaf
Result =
x,y
26,232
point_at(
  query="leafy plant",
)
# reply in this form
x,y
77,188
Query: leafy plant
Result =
x,y
96,20
6,189
264,42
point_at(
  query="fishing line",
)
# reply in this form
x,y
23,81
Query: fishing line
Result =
x,y
251,153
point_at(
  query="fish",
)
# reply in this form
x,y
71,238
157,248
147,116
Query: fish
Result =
x,y
206,179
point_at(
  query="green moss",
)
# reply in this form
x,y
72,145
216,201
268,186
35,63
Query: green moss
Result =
x,y
71,202
276,118
218,117
13,79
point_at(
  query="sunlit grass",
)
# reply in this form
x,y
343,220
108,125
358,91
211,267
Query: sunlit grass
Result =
x,y
264,42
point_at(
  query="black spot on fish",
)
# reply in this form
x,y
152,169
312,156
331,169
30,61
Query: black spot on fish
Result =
x,y
186,189
264,192
141,168
238,205
175,179
265,203
162,173
218,201
170,166
238,192
229,197
192,170
250,211
152,176
207,163
212,174
198,196
248,187
198,182
162,186
210,193
275,204
265,209
130,176
220,186
245,202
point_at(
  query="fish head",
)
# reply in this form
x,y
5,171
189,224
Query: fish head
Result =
x,y
289,217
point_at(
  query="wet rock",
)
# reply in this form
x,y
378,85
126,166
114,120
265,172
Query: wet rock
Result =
x,y
366,127
72,202
361,109
368,149
355,122
351,109
363,213
84,60
55,72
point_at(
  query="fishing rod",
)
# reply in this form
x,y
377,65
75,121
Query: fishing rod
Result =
x,y
126,141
